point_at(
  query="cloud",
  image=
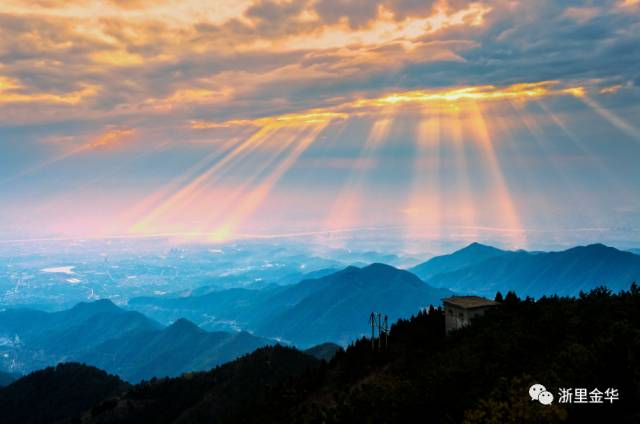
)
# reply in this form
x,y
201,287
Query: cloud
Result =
x,y
283,57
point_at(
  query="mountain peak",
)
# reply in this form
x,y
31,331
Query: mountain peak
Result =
x,y
379,267
471,254
182,325
595,248
599,246
381,274
475,246
100,305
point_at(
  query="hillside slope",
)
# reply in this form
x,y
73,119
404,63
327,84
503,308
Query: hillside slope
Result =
x,y
331,308
214,396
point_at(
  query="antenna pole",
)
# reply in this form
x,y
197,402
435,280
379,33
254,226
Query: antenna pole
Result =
x,y
372,321
386,332
379,331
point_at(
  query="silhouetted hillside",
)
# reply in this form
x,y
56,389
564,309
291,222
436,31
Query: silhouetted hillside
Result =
x,y
208,397
57,392
476,375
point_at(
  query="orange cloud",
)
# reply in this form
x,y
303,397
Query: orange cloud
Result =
x,y
12,91
442,99
111,137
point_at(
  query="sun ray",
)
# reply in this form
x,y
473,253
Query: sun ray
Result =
x,y
251,201
102,140
152,200
579,144
174,202
424,209
612,118
532,156
465,199
46,163
345,209
256,168
483,138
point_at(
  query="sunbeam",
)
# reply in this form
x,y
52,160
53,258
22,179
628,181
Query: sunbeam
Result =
x,y
240,150
251,200
348,203
466,204
425,206
503,199
612,118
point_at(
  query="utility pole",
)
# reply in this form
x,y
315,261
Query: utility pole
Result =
x,y
372,321
379,331
386,332
376,321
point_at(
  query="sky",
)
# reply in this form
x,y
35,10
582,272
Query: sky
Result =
x,y
507,121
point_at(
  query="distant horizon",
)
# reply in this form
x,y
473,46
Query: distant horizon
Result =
x,y
429,248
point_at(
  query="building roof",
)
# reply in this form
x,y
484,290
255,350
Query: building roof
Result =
x,y
469,302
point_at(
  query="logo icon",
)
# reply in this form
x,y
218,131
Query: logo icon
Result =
x,y
539,392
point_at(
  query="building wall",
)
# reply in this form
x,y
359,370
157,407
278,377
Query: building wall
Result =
x,y
459,317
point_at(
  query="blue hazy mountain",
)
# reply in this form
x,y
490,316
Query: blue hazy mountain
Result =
x,y
123,342
544,273
171,351
313,311
336,307
35,339
471,255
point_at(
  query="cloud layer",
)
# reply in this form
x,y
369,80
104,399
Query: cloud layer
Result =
x,y
59,61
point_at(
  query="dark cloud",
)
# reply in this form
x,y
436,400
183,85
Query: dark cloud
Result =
x,y
357,12
360,13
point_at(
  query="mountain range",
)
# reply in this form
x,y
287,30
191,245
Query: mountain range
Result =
x,y
35,339
484,270
122,342
199,329
334,307
478,374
